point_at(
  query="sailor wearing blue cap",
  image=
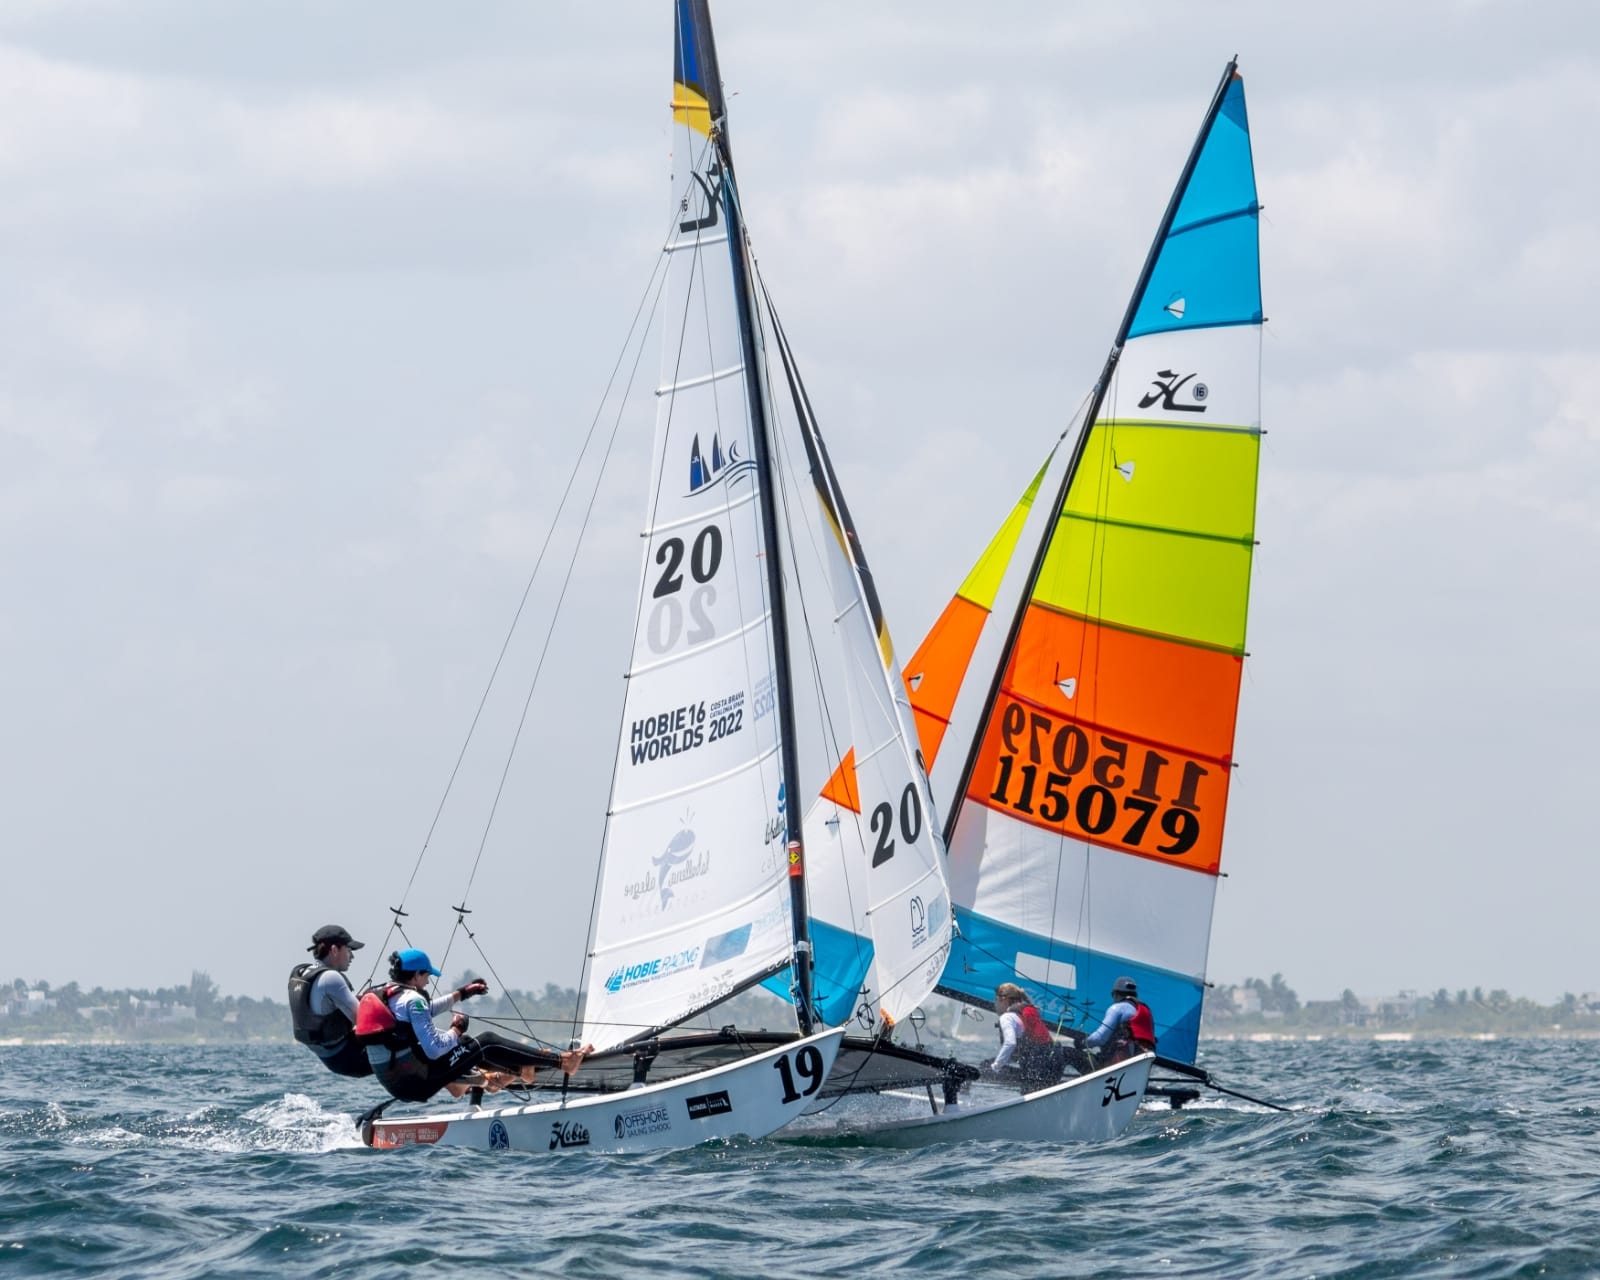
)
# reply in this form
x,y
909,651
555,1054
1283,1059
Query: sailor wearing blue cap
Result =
x,y
413,1059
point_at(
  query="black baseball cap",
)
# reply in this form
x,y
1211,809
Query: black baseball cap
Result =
x,y
334,933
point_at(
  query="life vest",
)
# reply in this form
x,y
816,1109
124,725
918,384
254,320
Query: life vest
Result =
x,y
1138,1033
319,1031
376,1023
1033,1029
1142,1026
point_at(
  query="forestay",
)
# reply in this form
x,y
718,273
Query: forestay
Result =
x,y
1088,836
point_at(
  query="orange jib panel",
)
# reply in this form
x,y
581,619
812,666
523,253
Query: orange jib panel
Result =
x,y
1156,689
933,676
1110,789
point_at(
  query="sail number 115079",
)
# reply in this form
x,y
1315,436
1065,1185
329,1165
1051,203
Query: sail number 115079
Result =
x,y
1061,775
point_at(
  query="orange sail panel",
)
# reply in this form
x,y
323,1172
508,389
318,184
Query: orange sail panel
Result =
x,y
938,668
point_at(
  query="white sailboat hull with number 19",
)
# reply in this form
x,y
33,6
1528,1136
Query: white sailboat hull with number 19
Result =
x,y
749,1098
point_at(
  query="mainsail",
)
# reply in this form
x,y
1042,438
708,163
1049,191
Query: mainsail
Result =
x,y
1087,835
694,900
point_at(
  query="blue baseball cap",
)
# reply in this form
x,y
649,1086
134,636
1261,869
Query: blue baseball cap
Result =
x,y
414,961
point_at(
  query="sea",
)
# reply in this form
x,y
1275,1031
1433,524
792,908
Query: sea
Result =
x,y
1450,1158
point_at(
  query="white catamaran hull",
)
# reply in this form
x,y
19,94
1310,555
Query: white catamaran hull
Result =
x,y
1089,1108
750,1098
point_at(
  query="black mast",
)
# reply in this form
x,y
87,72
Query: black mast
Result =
x,y
711,86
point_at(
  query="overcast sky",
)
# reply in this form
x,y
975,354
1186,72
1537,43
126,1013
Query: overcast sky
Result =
x,y
307,308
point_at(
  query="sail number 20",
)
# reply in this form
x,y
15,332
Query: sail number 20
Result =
x,y
704,557
807,1065
1041,774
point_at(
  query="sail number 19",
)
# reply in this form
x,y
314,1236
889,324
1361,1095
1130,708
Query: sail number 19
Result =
x,y
1053,774
808,1065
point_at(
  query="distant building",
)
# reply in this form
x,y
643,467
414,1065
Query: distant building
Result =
x,y
29,1004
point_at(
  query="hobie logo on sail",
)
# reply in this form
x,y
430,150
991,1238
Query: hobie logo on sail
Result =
x,y
712,191
703,475
1168,385
632,975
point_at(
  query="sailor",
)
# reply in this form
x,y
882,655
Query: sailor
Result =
x,y
1129,1028
322,1002
413,1059
1028,1052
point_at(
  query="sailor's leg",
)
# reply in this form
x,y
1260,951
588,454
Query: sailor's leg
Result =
x,y
502,1053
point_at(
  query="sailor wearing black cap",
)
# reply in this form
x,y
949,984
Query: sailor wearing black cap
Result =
x,y
323,1003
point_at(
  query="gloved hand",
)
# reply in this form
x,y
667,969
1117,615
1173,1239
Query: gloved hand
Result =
x,y
477,987
458,1023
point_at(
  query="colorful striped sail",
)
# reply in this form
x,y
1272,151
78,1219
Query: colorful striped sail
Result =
x,y
1087,836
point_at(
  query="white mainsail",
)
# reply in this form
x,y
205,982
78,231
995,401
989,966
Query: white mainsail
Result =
x,y
693,899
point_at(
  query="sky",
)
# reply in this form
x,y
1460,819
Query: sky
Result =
x,y
308,309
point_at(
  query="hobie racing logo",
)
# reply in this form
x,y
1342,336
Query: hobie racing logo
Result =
x,y
635,1124
1168,386
633,975
568,1133
720,467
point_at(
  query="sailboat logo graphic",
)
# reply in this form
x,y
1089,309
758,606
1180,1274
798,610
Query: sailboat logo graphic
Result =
x,y
703,473
1167,384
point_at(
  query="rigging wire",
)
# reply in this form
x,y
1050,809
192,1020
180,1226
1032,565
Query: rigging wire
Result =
x,y
651,288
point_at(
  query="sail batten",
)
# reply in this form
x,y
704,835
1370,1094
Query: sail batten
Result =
x,y
1087,833
717,375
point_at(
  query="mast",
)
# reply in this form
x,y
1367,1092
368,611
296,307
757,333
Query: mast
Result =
x,y
705,43
1082,442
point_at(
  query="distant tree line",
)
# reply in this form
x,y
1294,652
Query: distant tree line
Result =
x,y
199,1011
1272,1005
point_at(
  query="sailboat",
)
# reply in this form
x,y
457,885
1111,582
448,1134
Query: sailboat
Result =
x,y
1085,835
703,882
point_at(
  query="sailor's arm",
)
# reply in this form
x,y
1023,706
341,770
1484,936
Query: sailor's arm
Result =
x,y
331,991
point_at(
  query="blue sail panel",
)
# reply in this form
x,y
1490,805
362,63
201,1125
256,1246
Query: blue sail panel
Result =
x,y
1207,276
1224,176
686,56
840,961
1208,269
986,953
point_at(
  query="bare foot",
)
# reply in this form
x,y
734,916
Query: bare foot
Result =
x,y
572,1059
